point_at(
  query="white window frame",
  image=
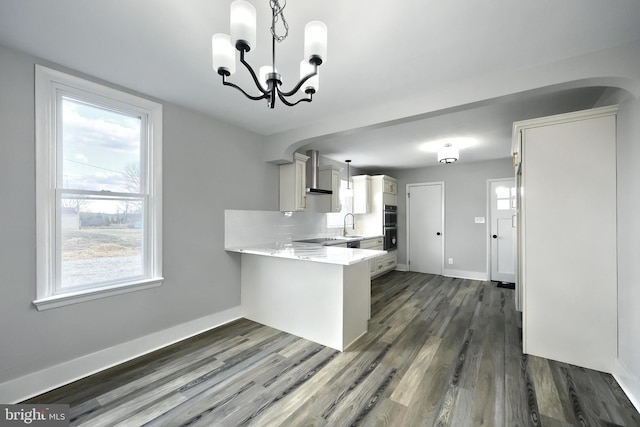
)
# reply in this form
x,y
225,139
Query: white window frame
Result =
x,y
49,85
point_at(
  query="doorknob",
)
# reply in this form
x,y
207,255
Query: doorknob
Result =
x,y
495,236
438,233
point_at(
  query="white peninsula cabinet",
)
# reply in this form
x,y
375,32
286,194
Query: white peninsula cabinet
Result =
x,y
566,219
320,293
293,188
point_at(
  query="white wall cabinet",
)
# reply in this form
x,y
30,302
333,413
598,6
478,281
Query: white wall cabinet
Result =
x,y
330,178
567,276
361,194
371,222
293,196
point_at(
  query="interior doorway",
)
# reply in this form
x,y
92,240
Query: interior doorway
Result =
x,y
502,232
425,227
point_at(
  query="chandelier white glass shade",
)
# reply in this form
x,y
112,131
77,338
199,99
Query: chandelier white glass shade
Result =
x,y
268,82
448,154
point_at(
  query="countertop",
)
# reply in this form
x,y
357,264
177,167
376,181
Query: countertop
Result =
x,y
311,252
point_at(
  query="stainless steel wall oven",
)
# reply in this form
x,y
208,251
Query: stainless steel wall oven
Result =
x,y
390,216
390,227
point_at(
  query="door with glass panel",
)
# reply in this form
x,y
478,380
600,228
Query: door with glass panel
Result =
x,y
503,233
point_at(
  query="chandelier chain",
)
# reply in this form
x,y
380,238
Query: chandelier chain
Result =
x,y
278,14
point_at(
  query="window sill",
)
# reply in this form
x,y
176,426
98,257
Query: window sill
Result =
x,y
82,296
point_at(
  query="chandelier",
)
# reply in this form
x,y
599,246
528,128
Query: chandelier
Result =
x,y
268,81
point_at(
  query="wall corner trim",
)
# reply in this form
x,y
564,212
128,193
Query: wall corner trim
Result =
x,y
33,384
629,383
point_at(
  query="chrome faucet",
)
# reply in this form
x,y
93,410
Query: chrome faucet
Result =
x,y
353,223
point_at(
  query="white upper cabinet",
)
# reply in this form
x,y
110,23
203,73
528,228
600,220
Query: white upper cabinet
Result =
x,y
390,185
330,179
361,194
293,196
389,190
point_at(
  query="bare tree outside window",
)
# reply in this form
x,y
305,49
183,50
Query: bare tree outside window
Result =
x,y
129,211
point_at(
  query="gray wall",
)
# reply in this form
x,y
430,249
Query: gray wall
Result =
x,y
465,198
208,167
629,238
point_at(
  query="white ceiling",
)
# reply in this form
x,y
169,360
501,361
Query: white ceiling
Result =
x,y
379,53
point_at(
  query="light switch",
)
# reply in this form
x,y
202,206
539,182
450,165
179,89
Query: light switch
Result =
x,y
479,220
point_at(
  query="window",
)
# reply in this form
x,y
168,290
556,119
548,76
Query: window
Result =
x,y
98,190
336,220
505,198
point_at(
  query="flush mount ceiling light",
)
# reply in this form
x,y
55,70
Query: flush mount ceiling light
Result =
x,y
448,154
243,38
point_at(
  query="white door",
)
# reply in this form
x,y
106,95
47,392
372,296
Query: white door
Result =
x,y
425,231
503,260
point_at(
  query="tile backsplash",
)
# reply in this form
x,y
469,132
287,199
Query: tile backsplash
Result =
x,y
246,228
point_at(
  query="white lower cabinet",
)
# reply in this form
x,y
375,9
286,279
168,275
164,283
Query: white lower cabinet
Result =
x,y
383,263
376,243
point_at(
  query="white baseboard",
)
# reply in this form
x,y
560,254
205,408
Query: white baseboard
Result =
x,y
460,274
463,274
629,383
33,384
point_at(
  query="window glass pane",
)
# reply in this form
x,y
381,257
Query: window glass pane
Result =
x,y
503,192
504,204
101,239
100,148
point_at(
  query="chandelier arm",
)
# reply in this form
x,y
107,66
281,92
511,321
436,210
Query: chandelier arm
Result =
x,y
255,98
253,75
291,104
301,82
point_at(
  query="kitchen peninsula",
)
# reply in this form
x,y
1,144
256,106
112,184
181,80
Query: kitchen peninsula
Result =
x,y
320,293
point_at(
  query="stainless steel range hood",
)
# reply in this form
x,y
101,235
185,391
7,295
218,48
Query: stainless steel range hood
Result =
x,y
313,174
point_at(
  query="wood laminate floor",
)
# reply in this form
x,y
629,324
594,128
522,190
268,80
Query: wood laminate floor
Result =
x,y
439,352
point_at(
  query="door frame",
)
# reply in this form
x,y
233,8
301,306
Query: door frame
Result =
x,y
488,226
408,219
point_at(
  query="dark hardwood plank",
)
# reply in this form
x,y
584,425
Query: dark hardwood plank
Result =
x,y
439,351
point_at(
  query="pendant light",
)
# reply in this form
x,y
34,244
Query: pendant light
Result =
x,y
348,162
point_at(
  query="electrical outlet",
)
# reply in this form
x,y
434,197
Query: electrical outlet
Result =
x,y
450,261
